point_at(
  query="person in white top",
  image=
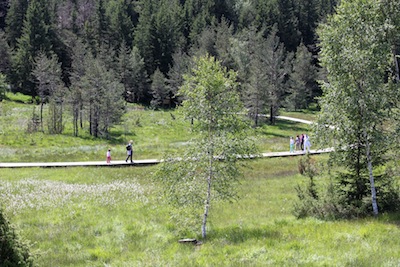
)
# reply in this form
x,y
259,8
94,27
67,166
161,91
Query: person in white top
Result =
x,y
291,145
307,143
108,156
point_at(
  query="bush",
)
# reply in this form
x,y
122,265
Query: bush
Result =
x,y
3,87
342,199
13,252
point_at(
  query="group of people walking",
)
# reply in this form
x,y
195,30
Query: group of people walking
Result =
x,y
300,143
129,153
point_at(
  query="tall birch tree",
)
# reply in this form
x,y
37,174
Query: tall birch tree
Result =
x,y
209,169
357,57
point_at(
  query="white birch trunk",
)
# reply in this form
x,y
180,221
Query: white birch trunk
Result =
x,y
371,176
207,201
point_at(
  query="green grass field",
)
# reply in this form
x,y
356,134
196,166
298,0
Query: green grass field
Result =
x,y
115,217
154,133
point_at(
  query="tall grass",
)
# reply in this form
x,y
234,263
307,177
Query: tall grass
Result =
x,y
115,217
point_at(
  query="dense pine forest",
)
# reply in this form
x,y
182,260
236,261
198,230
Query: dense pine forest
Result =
x,y
85,54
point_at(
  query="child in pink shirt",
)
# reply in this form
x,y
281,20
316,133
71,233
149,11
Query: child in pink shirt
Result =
x,y
109,156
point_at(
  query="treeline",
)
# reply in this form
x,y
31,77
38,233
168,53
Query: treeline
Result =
x,y
94,54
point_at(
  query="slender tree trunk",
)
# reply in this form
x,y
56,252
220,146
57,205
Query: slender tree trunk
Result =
x,y
371,176
207,202
271,115
256,116
209,180
81,115
396,65
41,115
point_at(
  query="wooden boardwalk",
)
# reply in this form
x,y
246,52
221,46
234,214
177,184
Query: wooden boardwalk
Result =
x,y
145,162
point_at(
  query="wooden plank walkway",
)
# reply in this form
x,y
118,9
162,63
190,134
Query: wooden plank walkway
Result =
x,y
145,162
122,163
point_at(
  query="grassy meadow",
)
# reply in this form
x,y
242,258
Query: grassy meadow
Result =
x,y
154,133
115,217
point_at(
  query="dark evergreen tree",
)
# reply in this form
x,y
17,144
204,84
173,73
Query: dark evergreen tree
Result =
x,y
3,86
3,13
181,66
302,80
5,56
250,58
133,75
168,28
223,43
13,252
144,34
15,20
288,24
159,90
121,26
308,17
38,35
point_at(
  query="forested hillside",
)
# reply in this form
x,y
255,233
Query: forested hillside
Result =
x,y
84,52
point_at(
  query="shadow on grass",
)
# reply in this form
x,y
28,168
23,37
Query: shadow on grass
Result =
x,y
236,234
282,125
114,138
390,218
292,126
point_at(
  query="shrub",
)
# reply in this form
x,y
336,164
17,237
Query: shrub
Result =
x,y
3,86
13,252
344,199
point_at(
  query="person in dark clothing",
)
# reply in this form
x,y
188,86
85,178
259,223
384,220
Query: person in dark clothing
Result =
x,y
129,151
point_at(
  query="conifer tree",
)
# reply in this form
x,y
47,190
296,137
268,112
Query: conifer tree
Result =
x,y
159,89
51,90
38,36
15,20
133,75
5,54
302,80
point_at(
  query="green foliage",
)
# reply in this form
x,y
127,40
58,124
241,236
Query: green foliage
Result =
x,y
302,83
356,102
345,197
15,20
13,251
159,89
114,216
133,74
3,86
104,97
158,29
209,168
47,72
38,36
5,54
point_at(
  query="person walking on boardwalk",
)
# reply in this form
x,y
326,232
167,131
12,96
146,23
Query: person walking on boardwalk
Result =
x,y
307,143
291,143
108,156
297,142
129,151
